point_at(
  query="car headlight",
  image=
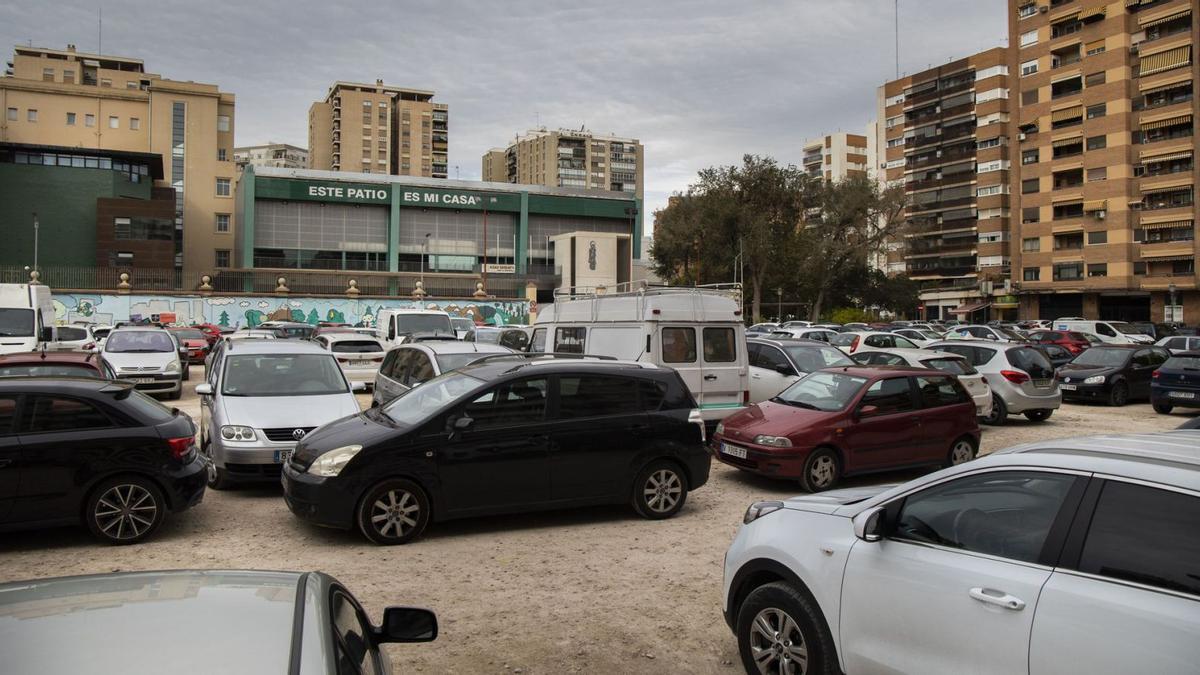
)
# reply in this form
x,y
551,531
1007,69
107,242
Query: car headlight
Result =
x,y
331,463
172,367
1095,379
235,432
720,428
759,509
773,441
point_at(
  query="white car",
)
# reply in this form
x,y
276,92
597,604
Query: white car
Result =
x,y
358,355
975,332
1065,556
852,342
919,336
821,334
1180,343
946,362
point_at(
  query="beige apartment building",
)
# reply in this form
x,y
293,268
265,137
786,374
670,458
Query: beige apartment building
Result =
x,y
569,158
1104,188
68,98
945,135
378,128
840,155
280,155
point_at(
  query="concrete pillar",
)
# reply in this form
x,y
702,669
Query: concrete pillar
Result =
x,y
1091,306
522,249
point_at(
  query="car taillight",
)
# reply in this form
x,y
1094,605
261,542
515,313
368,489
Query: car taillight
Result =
x,y
745,397
180,447
378,359
89,346
1015,376
1154,375
1074,349
854,344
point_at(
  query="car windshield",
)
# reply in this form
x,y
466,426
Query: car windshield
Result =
x,y
438,324
930,335
462,323
16,322
101,333
808,359
954,366
1182,363
1126,328
1103,358
282,375
139,342
49,370
189,334
356,346
491,337
822,390
419,403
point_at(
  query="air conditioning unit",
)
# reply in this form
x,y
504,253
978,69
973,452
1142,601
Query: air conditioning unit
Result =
x,y
1100,214
1043,9
1021,136
1133,48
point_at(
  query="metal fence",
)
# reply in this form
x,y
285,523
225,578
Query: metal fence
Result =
x,y
383,284
94,278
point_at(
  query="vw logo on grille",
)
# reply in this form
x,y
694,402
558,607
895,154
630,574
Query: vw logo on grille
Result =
x,y
298,433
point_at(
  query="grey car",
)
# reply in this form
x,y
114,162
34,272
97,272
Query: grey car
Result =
x,y
184,622
148,357
261,397
1020,376
410,364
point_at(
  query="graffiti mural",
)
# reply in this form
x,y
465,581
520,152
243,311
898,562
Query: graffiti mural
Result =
x,y
250,311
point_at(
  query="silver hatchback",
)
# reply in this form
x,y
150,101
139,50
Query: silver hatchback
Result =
x,y
408,365
1020,376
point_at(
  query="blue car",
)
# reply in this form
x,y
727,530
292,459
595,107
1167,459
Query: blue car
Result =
x,y
1176,383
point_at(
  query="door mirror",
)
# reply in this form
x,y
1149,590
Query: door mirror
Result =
x,y
457,425
868,410
407,624
204,389
358,386
868,525
48,334
785,370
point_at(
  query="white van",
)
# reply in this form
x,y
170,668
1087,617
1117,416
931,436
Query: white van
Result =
x,y
26,317
697,331
1113,332
398,324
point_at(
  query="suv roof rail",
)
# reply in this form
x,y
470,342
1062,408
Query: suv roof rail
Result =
x,y
547,355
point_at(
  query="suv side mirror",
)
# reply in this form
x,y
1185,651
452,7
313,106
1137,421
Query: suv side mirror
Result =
x,y
868,525
456,425
407,624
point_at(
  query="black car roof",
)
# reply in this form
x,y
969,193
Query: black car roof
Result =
x,y
60,385
504,367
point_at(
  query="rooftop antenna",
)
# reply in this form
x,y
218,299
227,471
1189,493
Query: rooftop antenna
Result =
x,y
100,31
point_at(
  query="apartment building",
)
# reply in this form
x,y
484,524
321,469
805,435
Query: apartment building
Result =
x,y
946,137
378,128
71,99
1105,184
569,158
279,155
840,155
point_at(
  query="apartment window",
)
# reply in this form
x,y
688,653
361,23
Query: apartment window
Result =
x,y
1097,237
89,120
31,115
222,155
68,77
1067,87
1029,156
1026,11
12,114
1029,68
1031,244
1139,268
1097,270
1067,179
222,187
1068,211
1094,79
1068,148
1029,97
1029,186
1098,110
1031,274
70,119
1029,38
1068,272
135,123
114,122
987,191
1030,214
131,84
895,142
222,259
1097,142
1100,173
1094,48
222,122
47,74
989,143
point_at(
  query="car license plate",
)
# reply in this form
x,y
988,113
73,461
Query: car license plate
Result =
x,y
142,380
733,451
282,456
1182,394
1067,387
360,364
1042,384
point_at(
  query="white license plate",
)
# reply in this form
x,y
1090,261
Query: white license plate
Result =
x,y
1067,387
733,451
360,364
1042,384
142,380
282,456
1182,394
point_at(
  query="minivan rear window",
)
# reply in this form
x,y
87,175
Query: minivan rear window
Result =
x,y
1031,361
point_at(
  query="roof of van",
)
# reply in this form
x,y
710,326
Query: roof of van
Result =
x,y
679,304
412,311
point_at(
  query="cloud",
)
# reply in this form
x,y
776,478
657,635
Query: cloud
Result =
x,y
217,302
244,303
263,304
295,303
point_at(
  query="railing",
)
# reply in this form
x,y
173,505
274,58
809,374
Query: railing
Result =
x,y
368,283
95,278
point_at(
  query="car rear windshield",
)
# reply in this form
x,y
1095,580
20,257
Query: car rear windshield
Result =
x,y
438,324
1103,358
71,333
49,370
282,375
1126,328
462,323
356,346
148,407
16,322
1031,361
139,341
189,334
808,359
1182,363
949,365
822,390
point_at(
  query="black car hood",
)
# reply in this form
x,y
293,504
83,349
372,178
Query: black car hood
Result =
x,y
358,429
1076,371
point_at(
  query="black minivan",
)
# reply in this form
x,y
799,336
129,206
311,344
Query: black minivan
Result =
x,y
502,437
96,450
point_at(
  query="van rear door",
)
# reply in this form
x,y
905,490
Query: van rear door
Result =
x,y
724,371
679,349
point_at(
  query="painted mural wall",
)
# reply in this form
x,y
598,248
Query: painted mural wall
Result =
x,y
250,311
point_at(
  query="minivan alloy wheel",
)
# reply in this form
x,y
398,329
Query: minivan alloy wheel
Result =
x,y
663,489
777,643
395,513
125,511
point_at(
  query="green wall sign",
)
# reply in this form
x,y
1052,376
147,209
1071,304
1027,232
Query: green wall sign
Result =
x,y
458,199
323,191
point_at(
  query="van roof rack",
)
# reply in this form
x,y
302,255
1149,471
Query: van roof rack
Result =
x,y
543,355
642,287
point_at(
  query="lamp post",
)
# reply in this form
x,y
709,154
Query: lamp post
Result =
x,y
424,254
1171,291
35,240
779,293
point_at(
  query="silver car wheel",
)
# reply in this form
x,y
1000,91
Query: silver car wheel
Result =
x,y
395,513
961,452
125,511
662,490
822,471
777,643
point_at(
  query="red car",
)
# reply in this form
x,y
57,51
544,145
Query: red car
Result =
x,y
55,364
1071,341
196,343
842,421
212,332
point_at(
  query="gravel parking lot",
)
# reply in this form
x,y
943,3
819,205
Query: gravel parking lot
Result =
x,y
590,590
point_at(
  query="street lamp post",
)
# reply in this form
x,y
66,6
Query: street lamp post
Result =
x,y
35,240
1171,291
424,254
779,293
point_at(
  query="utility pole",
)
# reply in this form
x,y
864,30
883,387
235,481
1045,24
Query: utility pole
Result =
x,y
779,292
35,240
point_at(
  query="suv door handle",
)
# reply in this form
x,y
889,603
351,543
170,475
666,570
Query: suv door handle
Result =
x,y
710,378
993,597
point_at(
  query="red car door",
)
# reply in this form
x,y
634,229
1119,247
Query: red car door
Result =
x,y
884,429
945,415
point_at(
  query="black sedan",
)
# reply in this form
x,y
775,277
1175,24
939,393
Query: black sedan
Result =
x,y
184,622
499,437
102,452
1111,373
1176,383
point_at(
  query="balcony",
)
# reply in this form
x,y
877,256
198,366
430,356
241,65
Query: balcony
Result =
x,y
940,271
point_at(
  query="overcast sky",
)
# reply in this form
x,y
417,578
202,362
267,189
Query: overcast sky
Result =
x,y
698,82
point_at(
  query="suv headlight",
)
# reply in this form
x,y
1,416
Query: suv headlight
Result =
x,y
759,509
720,428
234,432
331,463
773,441
1095,379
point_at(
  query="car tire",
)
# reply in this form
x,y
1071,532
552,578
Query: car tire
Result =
x,y
660,490
125,510
395,511
822,470
1163,408
769,623
1039,415
999,414
218,478
187,373
1118,395
962,450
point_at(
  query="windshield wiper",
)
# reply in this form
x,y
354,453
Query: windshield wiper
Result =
x,y
798,404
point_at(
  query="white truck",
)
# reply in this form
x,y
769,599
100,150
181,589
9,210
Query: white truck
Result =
x,y
26,317
698,331
398,325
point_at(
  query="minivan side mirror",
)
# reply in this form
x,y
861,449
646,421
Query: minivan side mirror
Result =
x,y
407,624
455,425
204,389
868,525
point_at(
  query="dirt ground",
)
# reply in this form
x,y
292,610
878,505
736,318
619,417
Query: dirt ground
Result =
x,y
588,590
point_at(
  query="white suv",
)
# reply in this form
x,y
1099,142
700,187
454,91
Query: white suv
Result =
x,y
1068,556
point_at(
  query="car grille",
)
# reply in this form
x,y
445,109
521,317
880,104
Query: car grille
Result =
x,y
284,434
141,369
